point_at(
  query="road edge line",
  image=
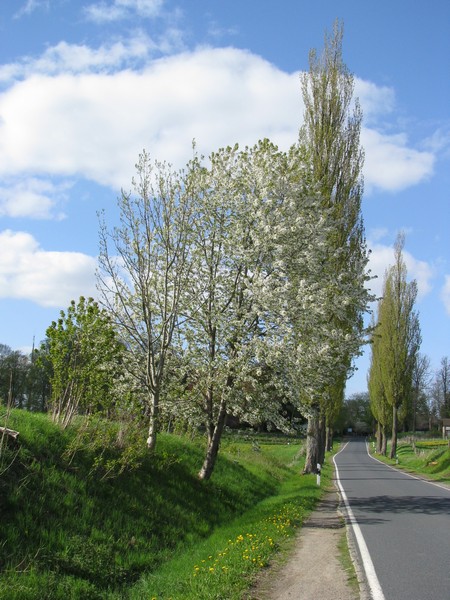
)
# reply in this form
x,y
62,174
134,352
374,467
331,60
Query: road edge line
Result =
x,y
413,476
369,569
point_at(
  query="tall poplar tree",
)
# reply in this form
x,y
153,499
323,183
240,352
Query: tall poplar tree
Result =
x,y
331,139
399,331
378,403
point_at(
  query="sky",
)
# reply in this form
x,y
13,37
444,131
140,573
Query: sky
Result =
x,y
86,86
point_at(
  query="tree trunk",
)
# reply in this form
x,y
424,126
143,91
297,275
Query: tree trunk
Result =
x,y
213,444
329,438
322,440
378,437
153,421
383,448
394,433
312,443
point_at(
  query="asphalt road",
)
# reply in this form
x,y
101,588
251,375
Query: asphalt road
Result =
x,y
404,522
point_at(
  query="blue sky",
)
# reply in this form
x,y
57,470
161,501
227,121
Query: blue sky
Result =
x,y
85,86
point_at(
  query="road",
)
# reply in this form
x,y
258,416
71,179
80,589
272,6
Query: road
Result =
x,y
404,523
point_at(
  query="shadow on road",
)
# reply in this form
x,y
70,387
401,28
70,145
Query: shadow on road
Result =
x,y
429,505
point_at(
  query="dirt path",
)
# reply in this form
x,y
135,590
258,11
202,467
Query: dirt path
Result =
x,y
313,570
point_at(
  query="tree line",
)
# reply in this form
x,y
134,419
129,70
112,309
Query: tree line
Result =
x,y
232,288
399,376
238,283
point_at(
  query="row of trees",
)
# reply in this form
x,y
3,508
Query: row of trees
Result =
x,y
239,284
23,380
399,374
233,287
26,378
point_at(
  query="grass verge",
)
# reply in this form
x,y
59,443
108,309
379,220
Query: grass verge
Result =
x,y
156,531
347,563
428,458
224,565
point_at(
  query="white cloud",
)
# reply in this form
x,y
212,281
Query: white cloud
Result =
x,y
88,119
390,164
64,58
30,6
106,12
33,198
439,141
382,257
445,294
95,125
375,100
47,278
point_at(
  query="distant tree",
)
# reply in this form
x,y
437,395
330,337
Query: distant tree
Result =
x,y
85,356
331,138
421,378
39,377
400,338
442,380
357,413
143,271
14,369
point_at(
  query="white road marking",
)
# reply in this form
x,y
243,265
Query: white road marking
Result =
x,y
372,579
443,487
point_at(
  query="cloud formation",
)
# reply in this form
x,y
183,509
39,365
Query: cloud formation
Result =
x,y
95,125
30,6
46,278
117,10
72,59
32,198
93,111
390,164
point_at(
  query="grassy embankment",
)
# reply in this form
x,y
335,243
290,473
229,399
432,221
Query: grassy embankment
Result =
x,y
154,532
429,458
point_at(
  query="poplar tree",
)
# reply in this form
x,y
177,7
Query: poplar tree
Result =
x,y
378,403
400,339
331,139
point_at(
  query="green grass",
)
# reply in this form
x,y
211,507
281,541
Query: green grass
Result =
x,y
68,533
346,561
429,458
224,565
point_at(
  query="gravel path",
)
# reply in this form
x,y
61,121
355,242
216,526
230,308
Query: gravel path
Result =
x,y
312,571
